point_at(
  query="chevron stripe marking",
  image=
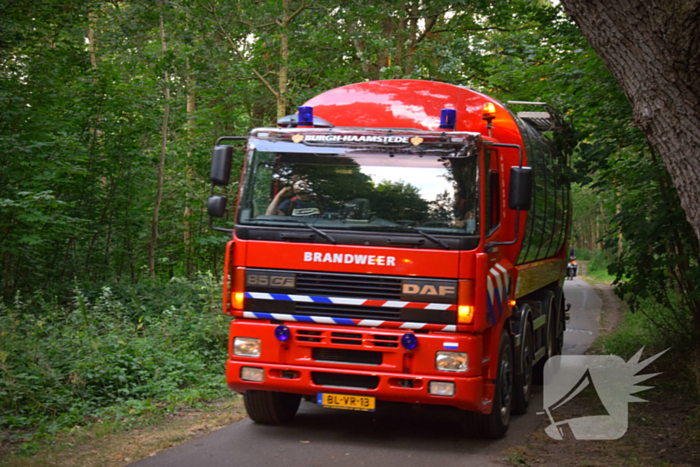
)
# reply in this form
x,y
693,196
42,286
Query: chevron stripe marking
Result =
x,y
350,301
350,322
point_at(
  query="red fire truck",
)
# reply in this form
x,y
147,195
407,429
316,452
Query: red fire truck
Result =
x,y
400,241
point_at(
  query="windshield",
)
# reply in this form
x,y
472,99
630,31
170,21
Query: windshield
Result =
x,y
361,191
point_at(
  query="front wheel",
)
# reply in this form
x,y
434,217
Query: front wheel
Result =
x,y
495,424
271,408
523,382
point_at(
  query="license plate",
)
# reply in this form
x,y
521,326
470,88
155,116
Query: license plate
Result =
x,y
345,401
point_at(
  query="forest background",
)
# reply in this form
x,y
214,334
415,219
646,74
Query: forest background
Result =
x,y
109,273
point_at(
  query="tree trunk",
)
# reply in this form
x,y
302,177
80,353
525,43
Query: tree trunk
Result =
x,y
91,43
652,48
161,163
284,52
412,36
401,37
189,174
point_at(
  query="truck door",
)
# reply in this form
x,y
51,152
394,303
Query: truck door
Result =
x,y
497,281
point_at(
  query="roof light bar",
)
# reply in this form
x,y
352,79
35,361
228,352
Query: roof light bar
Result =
x,y
306,117
448,119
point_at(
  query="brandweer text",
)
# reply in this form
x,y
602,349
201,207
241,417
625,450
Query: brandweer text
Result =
x,y
349,259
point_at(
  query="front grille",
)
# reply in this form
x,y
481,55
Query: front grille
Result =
x,y
380,340
345,380
308,336
348,311
364,357
347,338
359,339
348,285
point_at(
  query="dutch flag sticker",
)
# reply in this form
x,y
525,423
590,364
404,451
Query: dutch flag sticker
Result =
x,y
450,345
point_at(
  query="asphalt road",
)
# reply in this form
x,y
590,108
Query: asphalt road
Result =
x,y
394,435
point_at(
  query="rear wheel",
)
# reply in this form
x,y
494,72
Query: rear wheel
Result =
x,y
559,328
271,408
495,424
523,382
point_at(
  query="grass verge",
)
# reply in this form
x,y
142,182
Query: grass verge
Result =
x,y
113,443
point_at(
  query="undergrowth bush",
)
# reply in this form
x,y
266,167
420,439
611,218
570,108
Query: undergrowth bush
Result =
x,y
656,328
597,267
598,262
122,350
583,254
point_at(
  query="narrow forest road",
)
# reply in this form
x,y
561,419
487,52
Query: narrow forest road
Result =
x,y
397,436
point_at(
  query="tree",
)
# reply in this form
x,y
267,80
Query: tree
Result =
x,y
283,24
651,48
161,162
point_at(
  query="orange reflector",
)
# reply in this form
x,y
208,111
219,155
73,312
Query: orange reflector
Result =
x,y
465,314
511,302
237,294
489,109
465,302
237,300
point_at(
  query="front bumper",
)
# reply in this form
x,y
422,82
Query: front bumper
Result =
x,y
402,375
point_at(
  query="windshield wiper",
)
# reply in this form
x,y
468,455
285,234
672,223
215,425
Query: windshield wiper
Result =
x,y
414,230
305,224
428,236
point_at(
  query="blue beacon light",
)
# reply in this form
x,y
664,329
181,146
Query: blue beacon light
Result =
x,y
282,333
409,341
306,117
448,119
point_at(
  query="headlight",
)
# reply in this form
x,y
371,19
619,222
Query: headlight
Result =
x,y
249,373
441,388
246,347
451,361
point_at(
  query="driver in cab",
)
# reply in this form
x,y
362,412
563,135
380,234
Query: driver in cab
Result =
x,y
301,202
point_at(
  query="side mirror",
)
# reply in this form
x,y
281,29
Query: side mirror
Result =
x,y
520,194
221,165
216,206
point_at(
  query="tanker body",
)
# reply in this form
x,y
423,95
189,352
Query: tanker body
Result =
x,y
395,241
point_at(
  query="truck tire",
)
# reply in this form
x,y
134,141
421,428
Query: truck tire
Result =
x,y
560,326
522,390
271,408
551,312
495,424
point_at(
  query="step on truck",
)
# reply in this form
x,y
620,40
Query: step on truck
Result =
x,y
399,241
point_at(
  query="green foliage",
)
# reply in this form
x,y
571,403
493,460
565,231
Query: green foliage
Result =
x,y
598,262
648,328
583,254
114,352
597,267
634,332
626,200
659,262
81,120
